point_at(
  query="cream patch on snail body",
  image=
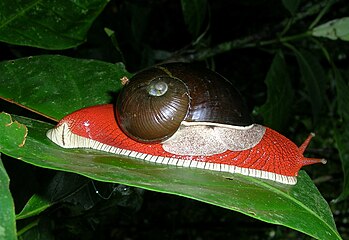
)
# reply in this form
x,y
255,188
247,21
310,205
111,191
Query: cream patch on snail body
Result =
x,y
205,140
241,139
194,141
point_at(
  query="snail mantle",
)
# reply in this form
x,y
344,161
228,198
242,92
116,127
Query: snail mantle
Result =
x,y
178,114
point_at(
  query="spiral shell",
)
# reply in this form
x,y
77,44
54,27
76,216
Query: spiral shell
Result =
x,y
156,101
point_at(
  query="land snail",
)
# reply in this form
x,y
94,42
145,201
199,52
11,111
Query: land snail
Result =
x,y
178,114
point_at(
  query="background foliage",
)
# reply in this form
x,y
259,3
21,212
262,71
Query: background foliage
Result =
x,y
288,58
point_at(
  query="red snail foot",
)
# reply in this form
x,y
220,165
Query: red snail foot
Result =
x,y
274,157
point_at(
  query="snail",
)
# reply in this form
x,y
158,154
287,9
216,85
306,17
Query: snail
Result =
x,y
178,114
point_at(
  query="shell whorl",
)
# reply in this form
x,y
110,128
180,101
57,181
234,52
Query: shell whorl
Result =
x,y
151,108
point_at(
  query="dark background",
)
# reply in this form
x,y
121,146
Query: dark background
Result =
x,y
149,32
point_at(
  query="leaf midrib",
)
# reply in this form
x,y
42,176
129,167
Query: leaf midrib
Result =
x,y
20,13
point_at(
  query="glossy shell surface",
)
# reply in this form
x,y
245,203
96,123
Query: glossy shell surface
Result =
x,y
155,102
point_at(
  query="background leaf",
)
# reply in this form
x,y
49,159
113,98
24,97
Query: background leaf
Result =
x,y
34,206
37,82
334,29
47,24
291,5
276,110
7,208
342,131
63,187
341,137
300,207
194,12
342,89
38,230
314,79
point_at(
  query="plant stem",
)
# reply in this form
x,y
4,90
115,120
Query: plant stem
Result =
x,y
321,13
311,9
279,40
245,43
28,227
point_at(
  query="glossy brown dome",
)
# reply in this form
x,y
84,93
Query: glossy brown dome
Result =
x,y
152,106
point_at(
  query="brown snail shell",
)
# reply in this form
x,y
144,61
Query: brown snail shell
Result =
x,y
152,106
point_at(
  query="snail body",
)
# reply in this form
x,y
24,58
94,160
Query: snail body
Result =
x,y
180,115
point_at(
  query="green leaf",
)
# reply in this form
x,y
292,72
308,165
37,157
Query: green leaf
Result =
x,y
41,82
47,24
12,132
291,5
112,36
314,78
40,229
7,208
276,110
59,188
342,89
341,137
34,206
300,207
194,12
341,134
334,29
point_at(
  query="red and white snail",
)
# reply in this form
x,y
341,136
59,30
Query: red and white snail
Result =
x,y
178,114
